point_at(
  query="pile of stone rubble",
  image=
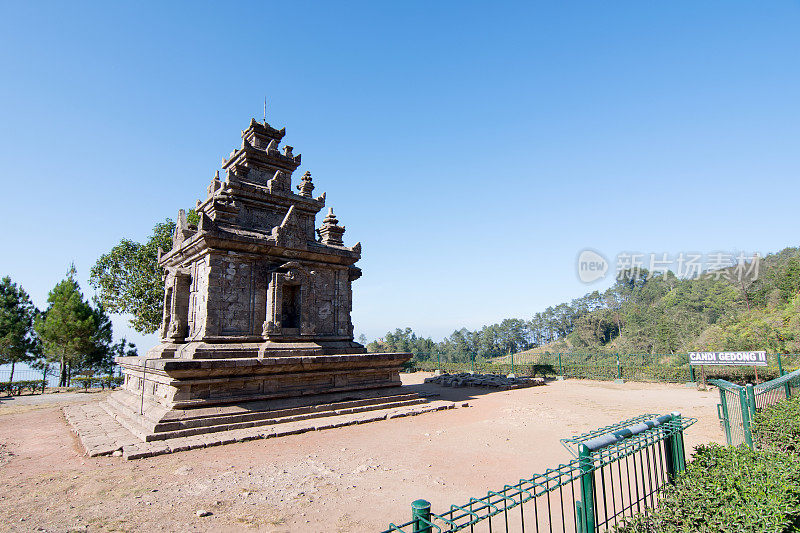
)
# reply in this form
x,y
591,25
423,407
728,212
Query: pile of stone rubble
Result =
x,y
468,379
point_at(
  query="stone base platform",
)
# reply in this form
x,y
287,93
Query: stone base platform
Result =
x,y
156,422
100,434
195,383
166,398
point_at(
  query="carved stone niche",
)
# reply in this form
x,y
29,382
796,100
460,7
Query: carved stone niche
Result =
x,y
174,326
288,301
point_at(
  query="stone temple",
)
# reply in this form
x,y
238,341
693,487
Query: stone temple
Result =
x,y
257,310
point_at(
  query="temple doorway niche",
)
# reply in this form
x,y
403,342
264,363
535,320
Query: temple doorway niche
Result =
x,y
291,306
176,306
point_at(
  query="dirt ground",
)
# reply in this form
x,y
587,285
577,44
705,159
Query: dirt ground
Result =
x,y
354,478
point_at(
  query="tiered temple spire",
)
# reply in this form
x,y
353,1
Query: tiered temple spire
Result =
x,y
331,232
306,187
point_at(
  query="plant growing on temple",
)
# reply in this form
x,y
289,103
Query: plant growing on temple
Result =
x,y
17,337
129,279
72,332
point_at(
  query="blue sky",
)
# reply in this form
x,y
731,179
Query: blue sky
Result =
x,y
473,148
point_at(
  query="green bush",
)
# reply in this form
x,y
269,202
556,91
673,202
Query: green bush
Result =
x,y
741,375
112,381
777,427
83,381
728,489
98,381
18,387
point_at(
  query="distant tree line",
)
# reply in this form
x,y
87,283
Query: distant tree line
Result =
x,y
642,313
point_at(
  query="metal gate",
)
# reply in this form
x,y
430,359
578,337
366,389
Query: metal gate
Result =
x,y
737,404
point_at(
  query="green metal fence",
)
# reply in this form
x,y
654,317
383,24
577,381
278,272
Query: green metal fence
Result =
x,y
738,404
671,368
617,471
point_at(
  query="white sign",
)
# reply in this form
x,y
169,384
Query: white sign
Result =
x,y
728,358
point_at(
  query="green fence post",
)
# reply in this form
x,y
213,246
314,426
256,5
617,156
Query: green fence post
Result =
x,y
751,399
473,362
421,515
780,366
670,459
512,362
587,490
560,368
619,370
748,437
680,450
691,373
673,450
787,387
723,400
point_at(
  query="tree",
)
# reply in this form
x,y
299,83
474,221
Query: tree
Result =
x,y
72,332
101,353
130,280
17,337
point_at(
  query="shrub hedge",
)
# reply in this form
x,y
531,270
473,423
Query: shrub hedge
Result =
x,y
729,490
98,381
777,427
17,387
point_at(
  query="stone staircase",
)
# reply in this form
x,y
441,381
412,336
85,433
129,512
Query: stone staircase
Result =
x,y
186,423
107,428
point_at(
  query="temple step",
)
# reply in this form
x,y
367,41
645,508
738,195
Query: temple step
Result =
x,y
188,423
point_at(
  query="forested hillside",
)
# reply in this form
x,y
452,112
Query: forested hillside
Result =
x,y
717,310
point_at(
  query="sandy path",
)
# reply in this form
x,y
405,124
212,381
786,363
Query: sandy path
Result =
x,y
355,478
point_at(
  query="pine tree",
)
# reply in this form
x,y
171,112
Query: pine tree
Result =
x,y
69,328
17,313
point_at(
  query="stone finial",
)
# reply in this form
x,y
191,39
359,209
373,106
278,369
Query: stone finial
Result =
x,y
306,187
331,232
330,218
216,184
287,150
182,230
